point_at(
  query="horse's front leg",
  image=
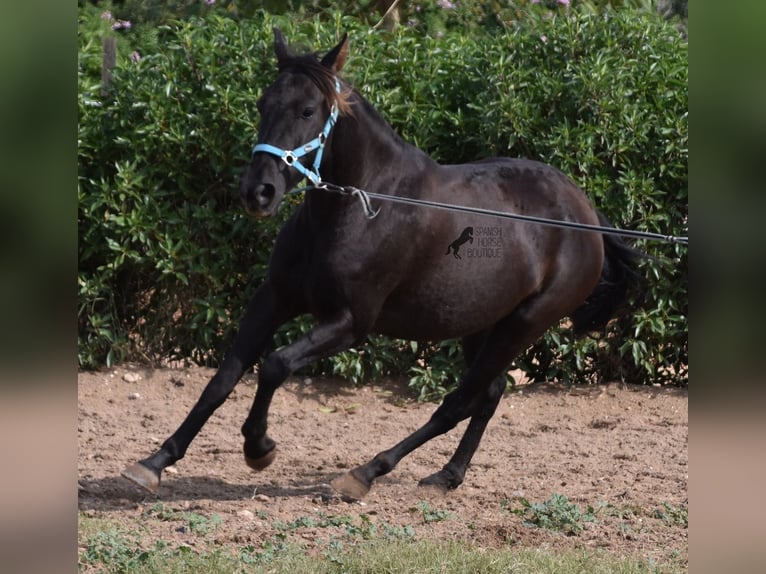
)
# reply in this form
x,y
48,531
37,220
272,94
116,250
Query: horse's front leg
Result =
x,y
324,340
256,328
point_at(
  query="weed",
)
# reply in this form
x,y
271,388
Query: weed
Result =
x,y
196,523
672,515
322,521
335,552
366,530
556,513
300,522
272,548
112,547
406,532
430,514
336,520
201,524
624,512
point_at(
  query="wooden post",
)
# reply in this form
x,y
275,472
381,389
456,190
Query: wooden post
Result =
x,y
108,63
390,11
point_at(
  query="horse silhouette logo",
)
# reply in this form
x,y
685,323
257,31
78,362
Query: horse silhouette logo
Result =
x,y
454,247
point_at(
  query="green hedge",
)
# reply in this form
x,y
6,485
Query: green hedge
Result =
x,y
167,259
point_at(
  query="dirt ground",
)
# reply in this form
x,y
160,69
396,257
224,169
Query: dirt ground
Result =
x,y
621,450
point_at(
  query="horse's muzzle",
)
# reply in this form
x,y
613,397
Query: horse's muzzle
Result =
x,y
259,199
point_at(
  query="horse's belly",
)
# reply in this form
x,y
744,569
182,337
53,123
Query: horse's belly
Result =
x,y
434,314
427,326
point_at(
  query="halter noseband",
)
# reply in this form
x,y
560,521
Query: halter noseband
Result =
x,y
291,157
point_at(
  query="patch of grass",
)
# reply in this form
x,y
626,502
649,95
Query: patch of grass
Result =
x,y
672,515
379,556
106,547
110,548
623,512
366,530
113,547
360,527
457,558
320,521
274,549
195,522
556,513
430,514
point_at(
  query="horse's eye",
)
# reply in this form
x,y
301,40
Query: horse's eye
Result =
x,y
308,112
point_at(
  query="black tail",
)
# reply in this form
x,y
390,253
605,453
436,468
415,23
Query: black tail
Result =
x,y
617,276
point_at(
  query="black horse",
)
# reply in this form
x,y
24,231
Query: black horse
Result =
x,y
388,274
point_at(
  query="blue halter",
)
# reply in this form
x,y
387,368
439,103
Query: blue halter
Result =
x,y
291,157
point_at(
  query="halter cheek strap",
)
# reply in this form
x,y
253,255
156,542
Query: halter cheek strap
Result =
x,y
291,157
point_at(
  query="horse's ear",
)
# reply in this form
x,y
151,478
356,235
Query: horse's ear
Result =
x,y
336,58
280,46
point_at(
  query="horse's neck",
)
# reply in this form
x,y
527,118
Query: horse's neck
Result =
x,y
367,153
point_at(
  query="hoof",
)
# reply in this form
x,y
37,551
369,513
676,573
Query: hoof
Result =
x,y
440,482
349,486
143,476
261,462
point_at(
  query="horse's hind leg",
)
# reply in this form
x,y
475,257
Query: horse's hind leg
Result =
x,y
255,330
457,406
477,394
451,476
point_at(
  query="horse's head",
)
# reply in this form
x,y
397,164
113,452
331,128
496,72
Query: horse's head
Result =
x,y
297,114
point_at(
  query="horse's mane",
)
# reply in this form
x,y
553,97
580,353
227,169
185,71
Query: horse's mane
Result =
x,y
322,76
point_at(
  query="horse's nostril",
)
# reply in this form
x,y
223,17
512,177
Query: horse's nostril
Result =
x,y
264,194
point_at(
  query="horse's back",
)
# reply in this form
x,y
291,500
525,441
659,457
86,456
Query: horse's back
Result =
x,y
519,185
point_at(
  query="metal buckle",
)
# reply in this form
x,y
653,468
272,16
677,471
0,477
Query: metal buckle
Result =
x,y
289,158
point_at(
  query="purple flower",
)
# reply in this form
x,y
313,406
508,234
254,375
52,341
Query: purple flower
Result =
x,y
209,2
135,57
446,4
107,15
122,25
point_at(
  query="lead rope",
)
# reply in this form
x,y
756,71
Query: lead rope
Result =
x,y
360,194
370,213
